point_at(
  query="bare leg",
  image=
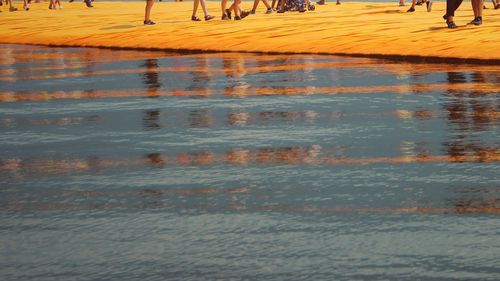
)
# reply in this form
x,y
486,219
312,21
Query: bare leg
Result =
x,y
147,12
204,7
256,3
223,6
480,6
195,8
236,9
267,4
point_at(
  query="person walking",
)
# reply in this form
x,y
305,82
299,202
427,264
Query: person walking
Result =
x,y
203,6
147,13
414,3
256,4
477,7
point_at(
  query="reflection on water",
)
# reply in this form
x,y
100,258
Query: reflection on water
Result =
x,y
244,166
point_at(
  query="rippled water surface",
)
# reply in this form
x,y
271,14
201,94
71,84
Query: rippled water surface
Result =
x,y
134,165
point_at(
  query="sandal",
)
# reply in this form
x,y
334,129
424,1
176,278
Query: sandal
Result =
x,y
149,22
451,24
497,6
244,14
411,10
225,17
209,17
195,18
228,13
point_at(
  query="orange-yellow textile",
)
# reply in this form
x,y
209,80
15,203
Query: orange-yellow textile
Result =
x,y
363,28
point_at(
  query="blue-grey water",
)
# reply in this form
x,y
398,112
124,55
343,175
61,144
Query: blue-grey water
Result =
x,y
135,165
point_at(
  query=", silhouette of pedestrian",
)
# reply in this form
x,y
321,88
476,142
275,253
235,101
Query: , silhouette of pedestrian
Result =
x,y
477,7
203,6
147,13
414,3
87,2
256,4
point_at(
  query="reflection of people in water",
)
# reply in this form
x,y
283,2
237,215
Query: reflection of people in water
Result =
x,y
234,68
478,205
151,119
150,77
200,118
200,83
470,113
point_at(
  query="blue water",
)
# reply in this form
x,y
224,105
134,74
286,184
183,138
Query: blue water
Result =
x,y
133,165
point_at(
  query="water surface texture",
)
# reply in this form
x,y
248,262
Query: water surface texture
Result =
x,y
134,165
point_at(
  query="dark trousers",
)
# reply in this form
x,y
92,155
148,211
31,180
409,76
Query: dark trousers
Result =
x,y
452,6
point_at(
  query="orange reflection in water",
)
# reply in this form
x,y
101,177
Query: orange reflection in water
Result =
x,y
311,155
243,91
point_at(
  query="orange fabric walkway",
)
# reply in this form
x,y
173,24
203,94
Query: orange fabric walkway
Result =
x,y
367,28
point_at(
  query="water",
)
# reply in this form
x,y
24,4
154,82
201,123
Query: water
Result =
x,y
134,165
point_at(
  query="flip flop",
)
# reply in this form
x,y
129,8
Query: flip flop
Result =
x,y
195,18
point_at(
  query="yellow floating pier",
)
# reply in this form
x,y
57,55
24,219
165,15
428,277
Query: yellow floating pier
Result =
x,y
353,28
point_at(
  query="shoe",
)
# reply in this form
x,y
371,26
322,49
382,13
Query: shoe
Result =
x,y
228,13
311,7
149,22
477,21
12,9
429,6
451,25
225,17
497,6
209,17
244,14
195,18
88,3
411,10
280,11
237,18
252,12
269,11
26,8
